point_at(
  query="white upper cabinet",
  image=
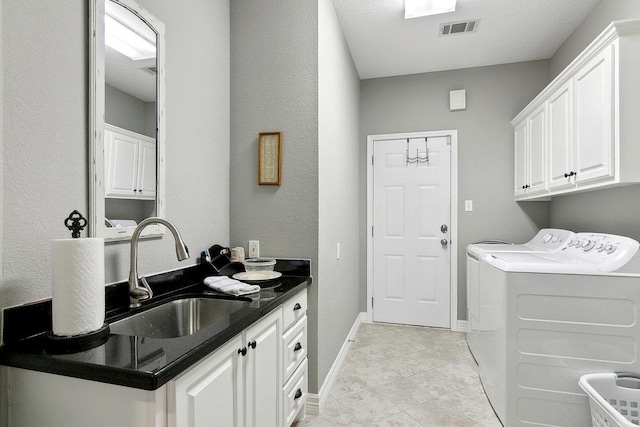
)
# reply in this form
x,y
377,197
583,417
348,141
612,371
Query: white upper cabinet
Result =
x,y
593,130
130,169
530,154
560,107
578,134
521,158
537,150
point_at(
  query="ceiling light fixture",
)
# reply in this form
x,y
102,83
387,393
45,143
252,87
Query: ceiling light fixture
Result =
x,y
126,40
418,8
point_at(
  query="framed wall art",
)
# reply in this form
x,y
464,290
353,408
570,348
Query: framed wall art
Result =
x,y
270,158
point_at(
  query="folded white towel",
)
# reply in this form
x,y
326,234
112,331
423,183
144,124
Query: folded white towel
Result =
x,y
230,286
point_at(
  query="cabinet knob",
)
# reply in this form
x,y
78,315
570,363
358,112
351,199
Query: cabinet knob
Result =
x,y
242,351
297,307
253,344
298,347
298,394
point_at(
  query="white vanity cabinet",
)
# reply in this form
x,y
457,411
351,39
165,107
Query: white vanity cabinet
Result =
x,y
43,399
294,360
256,379
210,393
580,132
235,386
130,164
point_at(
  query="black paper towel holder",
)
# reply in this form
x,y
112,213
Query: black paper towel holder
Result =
x,y
58,344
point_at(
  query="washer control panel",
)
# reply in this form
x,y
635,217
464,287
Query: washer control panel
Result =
x,y
608,252
550,238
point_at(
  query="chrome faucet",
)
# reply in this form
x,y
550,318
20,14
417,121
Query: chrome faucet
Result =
x,y
138,293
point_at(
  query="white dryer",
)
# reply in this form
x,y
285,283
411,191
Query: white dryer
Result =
x,y
545,319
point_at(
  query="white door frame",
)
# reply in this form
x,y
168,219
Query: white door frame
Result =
x,y
453,243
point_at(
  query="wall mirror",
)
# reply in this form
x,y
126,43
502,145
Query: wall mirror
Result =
x,y
127,124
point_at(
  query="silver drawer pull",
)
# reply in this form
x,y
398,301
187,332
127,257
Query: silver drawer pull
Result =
x,y
298,347
297,307
298,394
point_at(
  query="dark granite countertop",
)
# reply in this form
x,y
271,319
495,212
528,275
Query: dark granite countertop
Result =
x,y
143,362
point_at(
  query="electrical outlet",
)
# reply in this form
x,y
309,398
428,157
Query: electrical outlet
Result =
x,y
254,249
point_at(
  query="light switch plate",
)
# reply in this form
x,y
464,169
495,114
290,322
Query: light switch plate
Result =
x,y
468,205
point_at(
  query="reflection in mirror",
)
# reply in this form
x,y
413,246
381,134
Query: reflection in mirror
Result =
x,y
127,89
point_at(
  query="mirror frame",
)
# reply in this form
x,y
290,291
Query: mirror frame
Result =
x,y
97,227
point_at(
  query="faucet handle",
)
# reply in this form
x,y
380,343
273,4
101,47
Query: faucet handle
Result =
x,y
141,292
144,282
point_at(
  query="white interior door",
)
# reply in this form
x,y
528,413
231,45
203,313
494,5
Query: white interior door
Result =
x,y
411,231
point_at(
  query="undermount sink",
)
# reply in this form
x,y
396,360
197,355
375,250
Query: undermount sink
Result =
x,y
179,318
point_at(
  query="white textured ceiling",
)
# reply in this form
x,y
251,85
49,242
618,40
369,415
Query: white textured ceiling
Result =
x,y
383,43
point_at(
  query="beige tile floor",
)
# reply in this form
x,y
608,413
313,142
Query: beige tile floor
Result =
x,y
406,376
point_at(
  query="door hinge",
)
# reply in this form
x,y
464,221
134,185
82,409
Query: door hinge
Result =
x,y
371,160
372,231
371,302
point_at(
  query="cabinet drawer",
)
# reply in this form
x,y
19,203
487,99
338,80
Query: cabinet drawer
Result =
x,y
294,309
294,348
294,393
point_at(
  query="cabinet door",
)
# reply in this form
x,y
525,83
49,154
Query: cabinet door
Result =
x,y
560,108
146,182
122,164
520,149
593,87
262,370
211,393
536,150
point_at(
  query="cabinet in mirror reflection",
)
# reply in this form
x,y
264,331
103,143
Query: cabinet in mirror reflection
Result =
x,y
127,119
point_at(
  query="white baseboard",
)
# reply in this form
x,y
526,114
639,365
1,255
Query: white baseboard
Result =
x,y
462,326
316,402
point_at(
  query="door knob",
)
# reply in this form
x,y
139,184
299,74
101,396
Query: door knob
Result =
x,y
444,228
444,242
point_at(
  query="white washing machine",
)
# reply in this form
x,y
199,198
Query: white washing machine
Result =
x,y
546,240
546,318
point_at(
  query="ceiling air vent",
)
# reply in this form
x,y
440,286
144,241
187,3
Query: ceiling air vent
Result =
x,y
458,27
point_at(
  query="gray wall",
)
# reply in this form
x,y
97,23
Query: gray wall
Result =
x,y
274,87
305,86
339,218
3,370
129,112
45,161
485,145
607,211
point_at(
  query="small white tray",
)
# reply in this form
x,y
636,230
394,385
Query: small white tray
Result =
x,y
247,277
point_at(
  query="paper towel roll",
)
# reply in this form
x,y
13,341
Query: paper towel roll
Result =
x,y
78,285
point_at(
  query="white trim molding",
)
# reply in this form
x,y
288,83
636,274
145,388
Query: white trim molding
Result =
x,y
463,326
453,244
316,402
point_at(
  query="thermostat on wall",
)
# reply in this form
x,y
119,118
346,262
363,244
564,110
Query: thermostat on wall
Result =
x,y
457,100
